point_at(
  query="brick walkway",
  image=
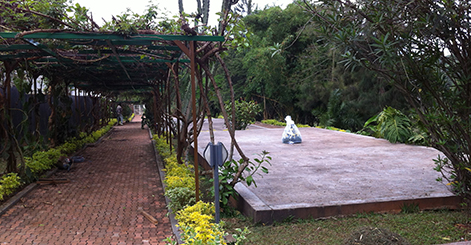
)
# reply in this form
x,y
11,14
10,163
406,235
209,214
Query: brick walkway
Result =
x,y
102,202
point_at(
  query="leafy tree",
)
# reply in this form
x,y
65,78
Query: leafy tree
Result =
x,y
244,6
261,72
29,15
265,78
422,47
245,113
290,69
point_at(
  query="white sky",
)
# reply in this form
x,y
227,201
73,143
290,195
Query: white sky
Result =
x,y
106,8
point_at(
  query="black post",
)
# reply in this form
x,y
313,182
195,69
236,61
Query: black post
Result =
x,y
216,160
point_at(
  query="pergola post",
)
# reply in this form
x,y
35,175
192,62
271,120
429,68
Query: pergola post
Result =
x,y
169,114
180,145
195,128
155,93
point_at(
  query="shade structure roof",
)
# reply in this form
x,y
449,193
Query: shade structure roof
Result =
x,y
99,61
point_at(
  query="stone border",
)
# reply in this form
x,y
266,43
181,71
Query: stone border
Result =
x,y
17,197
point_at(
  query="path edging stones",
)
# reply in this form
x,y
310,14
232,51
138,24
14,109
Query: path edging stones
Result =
x,y
171,215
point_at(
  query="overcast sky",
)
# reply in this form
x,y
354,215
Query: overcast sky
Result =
x,y
106,8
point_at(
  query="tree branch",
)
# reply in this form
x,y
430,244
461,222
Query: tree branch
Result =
x,y
41,14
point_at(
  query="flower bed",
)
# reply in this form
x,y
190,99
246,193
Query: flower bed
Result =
x,y
196,219
45,160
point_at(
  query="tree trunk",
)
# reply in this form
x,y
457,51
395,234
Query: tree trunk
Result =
x,y
9,142
205,12
180,6
229,81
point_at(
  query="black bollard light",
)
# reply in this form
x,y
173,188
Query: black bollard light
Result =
x,y
217,155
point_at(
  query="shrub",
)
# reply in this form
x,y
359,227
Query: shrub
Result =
x,y
43,160
82,135
69,146
195,219
180,181
395,126
176,169
278,123
391,124
197,227
8,184
231,168
130,117
112,122
162,147
245,113
274,122
180,197
337,129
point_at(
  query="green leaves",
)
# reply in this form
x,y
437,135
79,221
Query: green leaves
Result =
x,y
8,184
391,124
237,34
230,169
29,15
249,180
418,48
180,197
245,113
394,125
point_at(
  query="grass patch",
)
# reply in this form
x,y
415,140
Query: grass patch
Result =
x,y
427,227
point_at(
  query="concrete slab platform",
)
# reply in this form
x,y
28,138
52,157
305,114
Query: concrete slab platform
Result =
x,y
333,173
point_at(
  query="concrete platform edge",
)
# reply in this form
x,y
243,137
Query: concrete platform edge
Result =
x,y
250,205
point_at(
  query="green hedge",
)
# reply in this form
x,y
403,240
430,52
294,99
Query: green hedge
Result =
x,y
45,160
195,218
278,123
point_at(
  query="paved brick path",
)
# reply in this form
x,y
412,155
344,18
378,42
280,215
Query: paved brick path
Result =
x,y
101,203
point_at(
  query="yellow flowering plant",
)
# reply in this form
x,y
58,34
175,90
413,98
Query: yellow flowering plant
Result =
x,y
197,226
8,184
179,181
173,168
162,147
196,219
45,160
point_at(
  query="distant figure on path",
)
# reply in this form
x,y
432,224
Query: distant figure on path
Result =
x,y
119,111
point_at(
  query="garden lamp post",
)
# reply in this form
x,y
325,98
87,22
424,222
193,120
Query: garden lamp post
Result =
x,y
217,155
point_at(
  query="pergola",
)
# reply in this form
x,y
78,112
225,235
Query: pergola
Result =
x,y
106,62
102,61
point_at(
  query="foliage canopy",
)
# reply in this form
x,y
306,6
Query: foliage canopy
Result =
x,y
423,48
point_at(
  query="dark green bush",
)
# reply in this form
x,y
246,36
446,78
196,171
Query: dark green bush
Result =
x,y
245,113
